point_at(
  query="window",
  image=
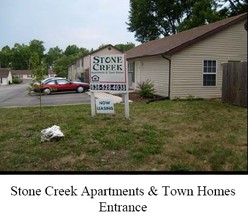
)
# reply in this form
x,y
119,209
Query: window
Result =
x,y
62,82
51,82
209,73
131,70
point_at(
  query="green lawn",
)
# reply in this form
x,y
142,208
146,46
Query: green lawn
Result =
x,y
160,136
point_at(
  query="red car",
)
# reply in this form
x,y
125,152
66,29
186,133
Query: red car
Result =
x,y
60,85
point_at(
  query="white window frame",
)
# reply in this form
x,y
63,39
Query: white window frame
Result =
x,y
209,73
131,70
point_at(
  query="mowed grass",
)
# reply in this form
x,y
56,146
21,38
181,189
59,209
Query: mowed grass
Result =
x,y
160,136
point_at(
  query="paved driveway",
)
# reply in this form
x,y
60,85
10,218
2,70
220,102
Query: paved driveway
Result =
x,y
17,96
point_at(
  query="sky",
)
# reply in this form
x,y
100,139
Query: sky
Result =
x,y
85,23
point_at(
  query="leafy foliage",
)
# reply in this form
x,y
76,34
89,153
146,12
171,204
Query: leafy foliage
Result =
x,y
5,57
202,12
125,47
151,19
16,80
143,21
21,56
234,7
146,89
38,71
52,55
122,47
61,65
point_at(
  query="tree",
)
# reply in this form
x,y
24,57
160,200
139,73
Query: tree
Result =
x,y
21,57
36,46
142,20
170,14
122,47
234,7
52,55
100,47
125,47
71,54
202,12
38,67
152,19
73,50
5,57
61,65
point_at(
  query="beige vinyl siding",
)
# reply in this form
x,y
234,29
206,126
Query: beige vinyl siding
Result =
x,y
155,69
187,65
72,72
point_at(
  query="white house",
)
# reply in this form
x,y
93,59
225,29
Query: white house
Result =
x,y
22,74
190,63
72,73
50,73
80,69
5,77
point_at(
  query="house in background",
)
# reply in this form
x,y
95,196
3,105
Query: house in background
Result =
x,y
27,74
22,74
5,77
50,73
79,66
80,69
75,71
190,63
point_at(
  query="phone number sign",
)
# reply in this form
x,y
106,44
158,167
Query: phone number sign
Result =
x,y
108,73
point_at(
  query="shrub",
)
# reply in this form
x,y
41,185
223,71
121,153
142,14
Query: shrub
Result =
x,y
146,89
16,80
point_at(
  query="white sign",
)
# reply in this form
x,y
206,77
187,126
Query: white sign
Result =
x,y
108,73
105,106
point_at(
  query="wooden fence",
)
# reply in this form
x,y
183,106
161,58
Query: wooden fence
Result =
x,y
234,84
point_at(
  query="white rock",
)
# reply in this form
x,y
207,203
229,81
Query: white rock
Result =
x,y
51,134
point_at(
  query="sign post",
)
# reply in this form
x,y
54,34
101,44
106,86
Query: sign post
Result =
x,y
126,100
93,106
108,73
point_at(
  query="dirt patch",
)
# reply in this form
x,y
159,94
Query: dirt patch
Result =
x,y
135,97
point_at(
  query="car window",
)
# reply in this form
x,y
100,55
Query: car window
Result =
x,y
51,78
47,80
62,81
51,82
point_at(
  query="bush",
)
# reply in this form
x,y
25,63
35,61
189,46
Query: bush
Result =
x,y
146,89
16,80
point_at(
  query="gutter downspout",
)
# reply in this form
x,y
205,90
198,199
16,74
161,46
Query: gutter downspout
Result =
x,y
169,87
